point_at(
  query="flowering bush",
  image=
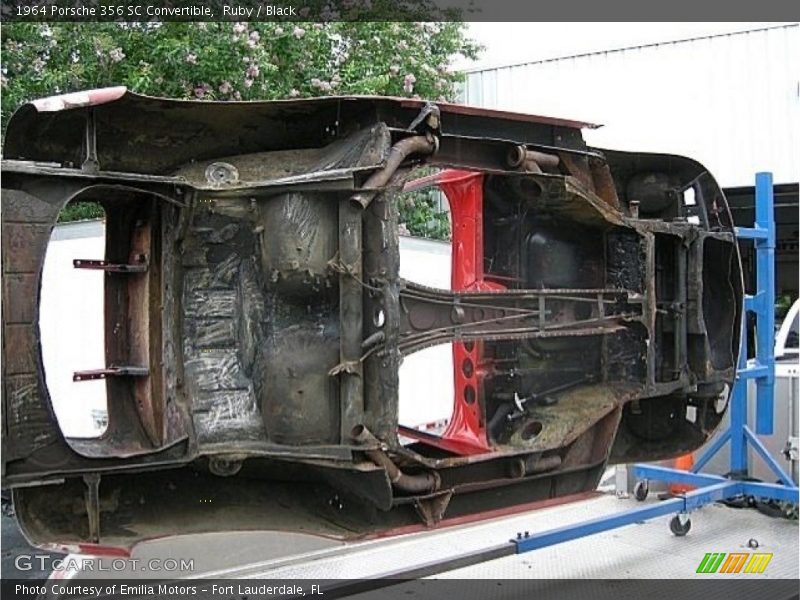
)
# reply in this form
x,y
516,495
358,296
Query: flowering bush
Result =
x,y
421,211
232,61
421,216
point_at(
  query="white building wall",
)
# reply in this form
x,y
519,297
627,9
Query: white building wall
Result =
x,y
71,325
730,101
426,377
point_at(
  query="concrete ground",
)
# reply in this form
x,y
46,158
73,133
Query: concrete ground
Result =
x,y
15,545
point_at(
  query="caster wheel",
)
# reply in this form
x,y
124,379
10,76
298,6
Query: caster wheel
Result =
x,y
678,528
640,490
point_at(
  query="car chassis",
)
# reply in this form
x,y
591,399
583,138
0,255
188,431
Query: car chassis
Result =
x,y
256,321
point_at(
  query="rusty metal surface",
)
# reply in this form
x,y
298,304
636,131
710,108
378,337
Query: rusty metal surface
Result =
x,y
133,130
270,322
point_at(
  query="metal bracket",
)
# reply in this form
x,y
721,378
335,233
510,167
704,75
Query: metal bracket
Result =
x,y
432,509
430,115
92,499
104,265
119,371
90,162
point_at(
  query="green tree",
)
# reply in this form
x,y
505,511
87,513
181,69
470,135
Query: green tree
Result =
x,y
420,212
233,61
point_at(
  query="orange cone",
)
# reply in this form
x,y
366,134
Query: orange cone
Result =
x,y
683,463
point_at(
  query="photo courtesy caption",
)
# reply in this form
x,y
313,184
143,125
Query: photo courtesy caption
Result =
x,y
66,589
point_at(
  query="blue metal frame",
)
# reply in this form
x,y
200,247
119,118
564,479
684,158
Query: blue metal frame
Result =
x,y
712,488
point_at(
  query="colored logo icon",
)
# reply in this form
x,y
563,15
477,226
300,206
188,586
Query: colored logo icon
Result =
x,y
734,562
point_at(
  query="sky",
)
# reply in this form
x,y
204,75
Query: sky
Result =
x,y
514,43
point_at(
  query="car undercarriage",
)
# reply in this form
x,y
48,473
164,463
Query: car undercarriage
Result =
x,y
256,321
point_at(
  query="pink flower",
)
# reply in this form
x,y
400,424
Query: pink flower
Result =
x,y
323,86
248,83
252,71
116,55
255,36
408,83
394,69
279,30
239,28
199,92
299,32
225,87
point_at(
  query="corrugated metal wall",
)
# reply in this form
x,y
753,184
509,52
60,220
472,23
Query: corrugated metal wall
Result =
x,y
730,101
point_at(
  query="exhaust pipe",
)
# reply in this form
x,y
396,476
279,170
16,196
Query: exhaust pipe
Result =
x,y
417,144
533,464
411,484
531,160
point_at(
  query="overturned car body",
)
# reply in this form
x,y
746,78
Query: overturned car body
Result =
x,y
256,321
